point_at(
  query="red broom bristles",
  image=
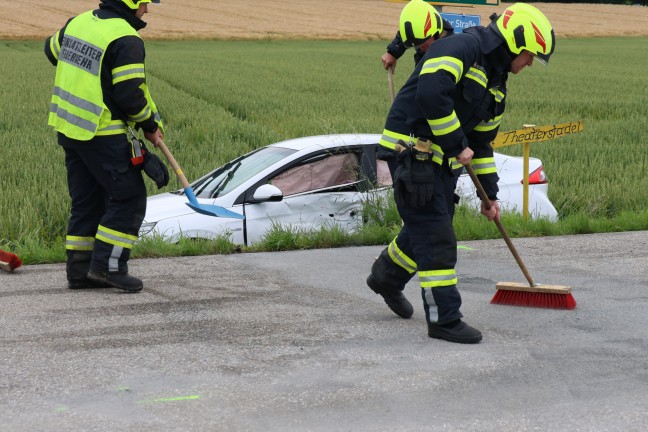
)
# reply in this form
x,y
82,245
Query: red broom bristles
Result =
x,y
534,299
9,261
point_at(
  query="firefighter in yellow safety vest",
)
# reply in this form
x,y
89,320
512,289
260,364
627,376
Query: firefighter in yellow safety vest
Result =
x,y
100,86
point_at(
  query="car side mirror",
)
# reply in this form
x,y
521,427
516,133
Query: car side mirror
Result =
x,y
267,193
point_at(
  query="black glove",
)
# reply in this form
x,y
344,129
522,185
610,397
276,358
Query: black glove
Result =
x,y
414,179
155,169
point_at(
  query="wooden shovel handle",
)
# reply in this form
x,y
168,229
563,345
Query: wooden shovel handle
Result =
x,y
174,164
507,239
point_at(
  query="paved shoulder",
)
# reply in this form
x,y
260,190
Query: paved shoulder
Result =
x,y
296,341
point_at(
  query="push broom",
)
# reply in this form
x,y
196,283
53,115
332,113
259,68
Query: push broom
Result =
x,y
519,294
9,261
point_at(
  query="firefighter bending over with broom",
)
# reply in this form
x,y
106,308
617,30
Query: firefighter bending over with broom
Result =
x,y
100,82
445,117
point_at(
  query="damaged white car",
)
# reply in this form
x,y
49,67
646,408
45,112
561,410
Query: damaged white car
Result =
x,y
307,183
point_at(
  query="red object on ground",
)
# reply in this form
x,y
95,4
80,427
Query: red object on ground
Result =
x,y
9,261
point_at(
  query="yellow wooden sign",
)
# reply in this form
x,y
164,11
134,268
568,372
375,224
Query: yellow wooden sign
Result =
x,y
536,134
528,135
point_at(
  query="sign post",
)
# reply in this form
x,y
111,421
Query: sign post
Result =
x,y
528,135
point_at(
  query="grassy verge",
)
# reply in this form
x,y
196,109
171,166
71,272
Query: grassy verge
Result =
x,y
468,226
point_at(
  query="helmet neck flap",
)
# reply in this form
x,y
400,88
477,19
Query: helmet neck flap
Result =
x,y
523,27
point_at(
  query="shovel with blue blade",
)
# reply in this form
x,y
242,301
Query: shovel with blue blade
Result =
x,y
206,209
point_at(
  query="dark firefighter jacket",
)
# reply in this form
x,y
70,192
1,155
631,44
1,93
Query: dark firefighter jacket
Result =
x,y
456,97
124,98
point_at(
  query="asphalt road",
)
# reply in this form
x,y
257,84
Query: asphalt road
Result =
x,y
295,341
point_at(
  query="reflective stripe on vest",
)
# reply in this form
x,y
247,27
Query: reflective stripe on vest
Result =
x,y
113,127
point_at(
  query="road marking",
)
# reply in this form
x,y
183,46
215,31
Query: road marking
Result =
x,y
169,399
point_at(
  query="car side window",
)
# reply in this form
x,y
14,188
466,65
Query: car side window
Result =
x,y
330,172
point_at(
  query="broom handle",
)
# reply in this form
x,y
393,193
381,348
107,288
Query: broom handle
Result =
x,y
390,79
507,239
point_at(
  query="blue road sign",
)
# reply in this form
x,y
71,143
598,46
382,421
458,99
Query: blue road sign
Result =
x,y
461,21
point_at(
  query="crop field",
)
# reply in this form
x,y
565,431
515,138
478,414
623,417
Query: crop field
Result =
x,y
224,98
229,79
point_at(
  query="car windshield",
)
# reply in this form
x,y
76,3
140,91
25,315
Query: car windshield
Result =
x,y
233,174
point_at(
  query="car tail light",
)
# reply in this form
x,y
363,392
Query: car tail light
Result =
x,y
537,177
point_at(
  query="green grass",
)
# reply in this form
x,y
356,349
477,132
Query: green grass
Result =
x,y
224,98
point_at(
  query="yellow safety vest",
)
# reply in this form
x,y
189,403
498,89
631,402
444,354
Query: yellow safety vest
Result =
x,y
77,109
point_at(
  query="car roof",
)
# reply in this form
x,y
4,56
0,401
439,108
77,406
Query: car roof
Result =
x,y
328,141
337,140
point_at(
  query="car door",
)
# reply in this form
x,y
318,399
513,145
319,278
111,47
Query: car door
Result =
x,y
321,191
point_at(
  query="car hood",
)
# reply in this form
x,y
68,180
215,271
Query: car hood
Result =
x,y
165,206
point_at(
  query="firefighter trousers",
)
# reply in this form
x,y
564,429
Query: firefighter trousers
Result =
x,y
108,205
426,246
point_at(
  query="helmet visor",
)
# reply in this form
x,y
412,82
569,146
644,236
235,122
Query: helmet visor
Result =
x,y
410,40
542,58
415,42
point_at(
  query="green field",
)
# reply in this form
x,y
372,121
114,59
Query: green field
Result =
x,y
223,98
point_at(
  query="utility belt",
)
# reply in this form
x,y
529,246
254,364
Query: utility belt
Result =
x,y
415,172
114,127
399,142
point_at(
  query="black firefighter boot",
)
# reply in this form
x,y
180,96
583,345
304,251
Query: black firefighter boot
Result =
x,y
388,280
455,331
77,266
122,281
119,277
